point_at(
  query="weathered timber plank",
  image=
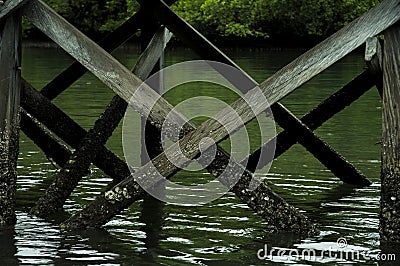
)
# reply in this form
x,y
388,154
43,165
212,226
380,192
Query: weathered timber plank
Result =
x,y
389,228
112,41
316,117
68,178
66,78
72,133
10,76
9,7
43,139
263,200
345,35
344,170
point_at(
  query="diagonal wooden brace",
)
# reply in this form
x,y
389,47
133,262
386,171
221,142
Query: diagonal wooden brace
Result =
x,y
268,205
339,166
273,89
67,179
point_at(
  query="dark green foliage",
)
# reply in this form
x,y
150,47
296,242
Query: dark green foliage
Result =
x,y
260,19
263,18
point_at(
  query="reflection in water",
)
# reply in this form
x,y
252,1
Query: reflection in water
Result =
x,y
152,217
221,232
8,248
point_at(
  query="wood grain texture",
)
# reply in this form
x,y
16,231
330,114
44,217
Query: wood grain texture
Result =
x,y
9,7
390,174
273,89
66,78
10,77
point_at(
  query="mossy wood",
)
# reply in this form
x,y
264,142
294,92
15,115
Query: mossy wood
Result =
x,y
10,83
390,174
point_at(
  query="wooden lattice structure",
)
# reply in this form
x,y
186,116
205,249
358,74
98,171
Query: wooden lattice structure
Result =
x,y
38,115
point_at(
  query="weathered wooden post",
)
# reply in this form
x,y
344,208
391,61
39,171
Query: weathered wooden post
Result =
x,y
10,77
152,209
390,173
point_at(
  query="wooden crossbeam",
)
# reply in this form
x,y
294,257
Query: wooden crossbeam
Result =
x,y
374,60
315,118
9,7
68,178
344,170
322,151
385,10
113,74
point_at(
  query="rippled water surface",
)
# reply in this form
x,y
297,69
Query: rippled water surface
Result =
x,y
225,231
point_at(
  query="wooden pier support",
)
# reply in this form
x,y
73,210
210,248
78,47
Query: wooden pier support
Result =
x,y
263,200
390,173
10,76
67,179
338,165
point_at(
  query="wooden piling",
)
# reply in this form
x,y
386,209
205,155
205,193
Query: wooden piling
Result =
x,y
10,75
390,173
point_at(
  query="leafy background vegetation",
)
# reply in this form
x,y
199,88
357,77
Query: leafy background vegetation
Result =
x,y
259,20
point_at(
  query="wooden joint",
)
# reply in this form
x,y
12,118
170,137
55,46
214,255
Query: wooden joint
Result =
x,y
373,58
9,7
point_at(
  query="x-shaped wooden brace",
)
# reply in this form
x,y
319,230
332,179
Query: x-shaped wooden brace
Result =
x,y
271,96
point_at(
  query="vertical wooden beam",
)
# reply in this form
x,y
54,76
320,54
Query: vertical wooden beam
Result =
x,y
151,136
152,209
390,174
10,78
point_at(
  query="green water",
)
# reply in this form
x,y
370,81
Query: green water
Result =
x,y
225,231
